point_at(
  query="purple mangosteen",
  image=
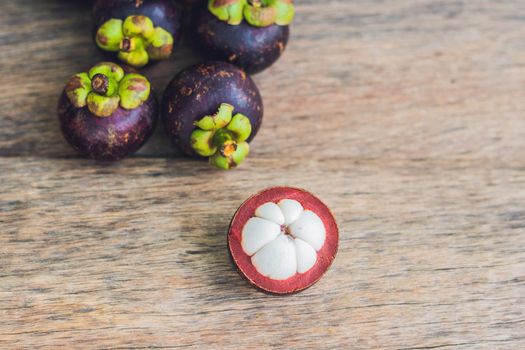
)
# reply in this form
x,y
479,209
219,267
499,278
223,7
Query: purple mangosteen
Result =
x,y
213,110
251,34
107,113
138,31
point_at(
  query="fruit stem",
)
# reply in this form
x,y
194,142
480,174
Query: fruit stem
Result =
x,y
228,148
100,84
125,45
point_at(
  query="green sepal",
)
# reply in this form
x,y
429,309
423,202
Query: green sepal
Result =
x,y
109,69
77,89
230,11
284,11
259,16
113,87
160,45
134,89
220,162
222,137
138,25
232,161
218,120
102,106
138,58
243,149
241,127
202,142
261,13
109,35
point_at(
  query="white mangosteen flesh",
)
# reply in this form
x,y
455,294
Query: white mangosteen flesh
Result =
x,y
283,239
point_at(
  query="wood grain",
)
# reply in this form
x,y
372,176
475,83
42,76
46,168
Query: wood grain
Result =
x,y
405,117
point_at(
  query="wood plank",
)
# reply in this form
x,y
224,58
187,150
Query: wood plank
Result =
x,y
431,254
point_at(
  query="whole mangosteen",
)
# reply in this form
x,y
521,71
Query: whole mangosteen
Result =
x,y
251,34
107,113
138,31
213,110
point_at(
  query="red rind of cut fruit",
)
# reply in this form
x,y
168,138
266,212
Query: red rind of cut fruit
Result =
x,y
300,281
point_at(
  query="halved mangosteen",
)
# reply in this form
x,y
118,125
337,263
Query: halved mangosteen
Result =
x,y
107,113
251,34
213,110
283,240
137,31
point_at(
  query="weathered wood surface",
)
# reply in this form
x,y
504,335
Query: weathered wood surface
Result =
x,y
405,117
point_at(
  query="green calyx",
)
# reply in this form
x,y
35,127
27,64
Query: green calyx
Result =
x,y
136,40
222,137
106,87
258,13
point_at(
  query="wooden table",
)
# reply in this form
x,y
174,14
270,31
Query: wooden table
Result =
x,y
406,117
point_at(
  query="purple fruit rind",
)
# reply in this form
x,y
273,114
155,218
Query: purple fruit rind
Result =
x,y
111,138
251,48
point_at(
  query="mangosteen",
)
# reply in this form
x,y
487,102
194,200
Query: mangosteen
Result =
x,y
213,110
283,240
107,113
138,31
251,34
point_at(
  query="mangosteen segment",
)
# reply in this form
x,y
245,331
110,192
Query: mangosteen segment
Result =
x,y
283,240
106,87
136,40
222,137
258,13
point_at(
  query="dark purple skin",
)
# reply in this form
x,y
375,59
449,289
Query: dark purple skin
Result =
x,y
252,48
164,13
111,138
189,3
199,90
